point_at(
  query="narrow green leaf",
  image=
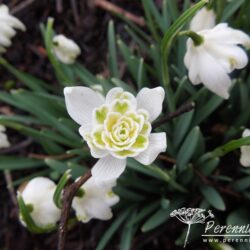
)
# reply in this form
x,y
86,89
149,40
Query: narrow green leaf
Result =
x,y
162,215
182,127
112,50
113,228
230,9
18,163
57,198
213,197
187,149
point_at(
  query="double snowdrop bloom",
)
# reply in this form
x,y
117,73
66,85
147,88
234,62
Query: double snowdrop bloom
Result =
x,y
96,200
118,126
38,196
65,49
216,54
4,142
8,24
245,151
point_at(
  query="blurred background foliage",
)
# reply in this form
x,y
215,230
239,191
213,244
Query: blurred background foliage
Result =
x,y
195,154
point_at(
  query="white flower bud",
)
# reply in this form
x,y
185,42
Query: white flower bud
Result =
x,y
203,19
38,196
245,151
66,50
96,201
4,142
7,25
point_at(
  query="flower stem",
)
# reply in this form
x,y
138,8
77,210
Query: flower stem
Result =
x,y
68,195
197,39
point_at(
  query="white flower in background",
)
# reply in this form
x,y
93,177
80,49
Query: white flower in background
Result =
x,y
65,49
96,200
245,151
223,246
117,127
218,54
203,19
38,195
8,24
4,142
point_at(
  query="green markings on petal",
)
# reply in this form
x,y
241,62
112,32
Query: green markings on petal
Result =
x,y
101,114
141,143
97,138
146,129
121,106
125,153
111,120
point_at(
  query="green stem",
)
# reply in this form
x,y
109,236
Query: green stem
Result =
x,y
197,39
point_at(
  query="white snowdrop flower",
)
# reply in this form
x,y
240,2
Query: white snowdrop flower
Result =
x,y
215,55
245,151
38,196
65,49
96,200
203,19
4,142
8,24
118,126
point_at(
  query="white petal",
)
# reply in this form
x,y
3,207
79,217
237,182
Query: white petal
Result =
x,y
80,102
65,49
108,168
203,19
245,151
213,75
4,142
91,207
223,34
230,56
157,144
111,95
190,61
13,22
151,100
4,9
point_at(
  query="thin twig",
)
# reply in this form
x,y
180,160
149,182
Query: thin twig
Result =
x,y
167,159
54,157
75,12
68,195
118,10
9,182
17,147
181,110
59,6
21,6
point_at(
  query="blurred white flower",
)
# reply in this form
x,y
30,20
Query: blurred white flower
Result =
x,y
4,142
216,57
245,151
65,49
203,19
223,246
38,196
96,200
117,127
8,24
